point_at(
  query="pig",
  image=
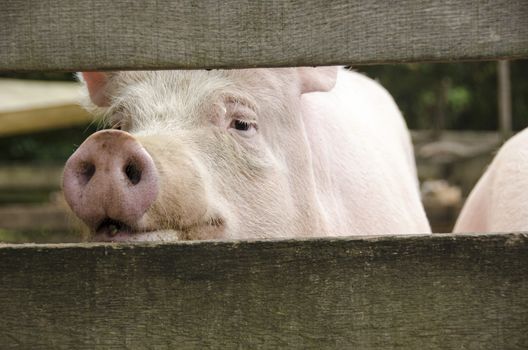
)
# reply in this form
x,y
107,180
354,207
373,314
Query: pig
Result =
x,y
499,200
243,154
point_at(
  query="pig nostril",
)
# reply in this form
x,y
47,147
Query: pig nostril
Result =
x,y
133,173
87,170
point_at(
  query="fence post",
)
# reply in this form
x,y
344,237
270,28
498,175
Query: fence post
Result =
x,y
504,97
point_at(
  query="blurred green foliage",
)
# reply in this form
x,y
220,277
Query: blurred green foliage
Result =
x,y
464,93
470,98
50,147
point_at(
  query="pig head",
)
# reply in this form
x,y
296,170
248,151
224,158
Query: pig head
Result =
x,y
220,154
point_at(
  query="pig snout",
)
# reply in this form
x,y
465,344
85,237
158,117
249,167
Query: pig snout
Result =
x,y
110,182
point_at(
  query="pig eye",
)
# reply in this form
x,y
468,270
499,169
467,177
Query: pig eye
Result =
x,y
243,127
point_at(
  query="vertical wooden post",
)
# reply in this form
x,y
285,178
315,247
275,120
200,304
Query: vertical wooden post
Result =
x,y
441,107
504,99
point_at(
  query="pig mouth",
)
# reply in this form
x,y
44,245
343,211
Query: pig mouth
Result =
x,y
110,230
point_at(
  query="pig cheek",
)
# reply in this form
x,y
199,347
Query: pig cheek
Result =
x,y
262,209
260,191
182,200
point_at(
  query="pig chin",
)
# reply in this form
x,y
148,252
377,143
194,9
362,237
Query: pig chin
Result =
x,y
112,231
126,236
168,219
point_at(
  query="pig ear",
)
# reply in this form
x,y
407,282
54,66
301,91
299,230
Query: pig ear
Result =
x,y
317,78
96,83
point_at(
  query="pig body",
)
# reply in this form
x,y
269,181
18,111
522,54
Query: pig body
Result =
x,y
254,153
364,169
499,201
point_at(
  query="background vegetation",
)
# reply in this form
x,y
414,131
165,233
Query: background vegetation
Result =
x,y
466,93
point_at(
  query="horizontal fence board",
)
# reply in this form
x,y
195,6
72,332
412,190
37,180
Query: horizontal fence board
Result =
x,y
408,292
30,177
43,119
48,217
30,106
162,34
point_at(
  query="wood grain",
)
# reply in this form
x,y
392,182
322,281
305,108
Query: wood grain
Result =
x,y
399,292
163,34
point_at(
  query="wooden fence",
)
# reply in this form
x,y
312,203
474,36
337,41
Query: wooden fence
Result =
x,y
439,291
432,291
126,34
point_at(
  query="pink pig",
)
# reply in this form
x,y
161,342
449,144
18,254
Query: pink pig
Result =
x,y
499,201
253,153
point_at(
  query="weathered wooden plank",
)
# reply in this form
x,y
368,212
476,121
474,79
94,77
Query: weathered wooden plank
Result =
x,y
30,106
48,217
21,94
408,292
27,177
126,34
42,119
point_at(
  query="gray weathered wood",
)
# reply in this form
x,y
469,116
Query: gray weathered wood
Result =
x,y
127,34
408,292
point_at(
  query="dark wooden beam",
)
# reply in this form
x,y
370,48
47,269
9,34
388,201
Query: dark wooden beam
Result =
x,y
409,292
164,34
